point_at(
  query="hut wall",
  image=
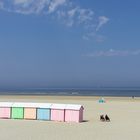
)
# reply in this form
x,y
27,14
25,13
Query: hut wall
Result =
x,y
57,115
17,113
43,114
81,115
72,116
5,112
30,113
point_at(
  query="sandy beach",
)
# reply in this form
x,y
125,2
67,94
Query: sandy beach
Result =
x,y
124,113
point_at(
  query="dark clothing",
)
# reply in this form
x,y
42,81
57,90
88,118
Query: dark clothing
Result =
x,y
107,118
102,118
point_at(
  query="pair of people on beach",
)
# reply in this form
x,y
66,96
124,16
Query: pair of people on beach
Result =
x,y
104,118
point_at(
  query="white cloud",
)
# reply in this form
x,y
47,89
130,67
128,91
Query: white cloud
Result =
x,y
111,53
85,15
76,16
54,4
72,12
65,11
102,20
24,6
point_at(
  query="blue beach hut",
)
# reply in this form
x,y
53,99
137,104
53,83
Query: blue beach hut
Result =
x,y
44,111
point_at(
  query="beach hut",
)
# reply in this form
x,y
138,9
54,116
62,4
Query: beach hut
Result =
x,y
5,110
74,113
17,111
44,111
58,112
30,110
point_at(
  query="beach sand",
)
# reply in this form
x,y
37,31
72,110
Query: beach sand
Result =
x,y
124,113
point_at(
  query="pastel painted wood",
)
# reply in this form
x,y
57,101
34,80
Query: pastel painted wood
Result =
x,y
74,113
57,115
43,114
30,113
44,111
5,109
58,112
5,112
17,113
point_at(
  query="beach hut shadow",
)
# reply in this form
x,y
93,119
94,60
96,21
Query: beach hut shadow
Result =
x,y
84,121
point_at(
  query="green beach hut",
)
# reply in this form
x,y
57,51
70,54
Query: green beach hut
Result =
x,y
17,111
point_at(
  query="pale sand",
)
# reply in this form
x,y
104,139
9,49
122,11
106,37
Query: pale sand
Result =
x,y
124,125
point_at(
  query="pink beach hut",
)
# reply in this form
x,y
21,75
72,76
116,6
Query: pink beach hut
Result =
x,y
74,113
58,112
5,110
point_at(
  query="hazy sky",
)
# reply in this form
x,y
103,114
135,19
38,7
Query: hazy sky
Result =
x,y
69,43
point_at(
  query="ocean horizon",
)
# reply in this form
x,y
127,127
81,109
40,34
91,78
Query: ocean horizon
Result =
x,y
120,92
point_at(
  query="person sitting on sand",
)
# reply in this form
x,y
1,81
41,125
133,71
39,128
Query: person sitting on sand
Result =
x,y
107,118
102,118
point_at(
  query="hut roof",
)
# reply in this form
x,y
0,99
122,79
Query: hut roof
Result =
x,y
73,106
41,105
24,104
58,106
31,105
66,106
6,104
19,104
44,105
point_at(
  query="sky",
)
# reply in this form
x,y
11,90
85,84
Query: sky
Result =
x,y
69,43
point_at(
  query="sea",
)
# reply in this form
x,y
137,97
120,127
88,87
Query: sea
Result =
x,y
119,92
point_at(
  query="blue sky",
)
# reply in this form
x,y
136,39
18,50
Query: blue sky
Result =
x,y
69,43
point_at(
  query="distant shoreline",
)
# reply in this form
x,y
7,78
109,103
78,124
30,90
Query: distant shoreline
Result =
x,y
75,92
61,95
55,97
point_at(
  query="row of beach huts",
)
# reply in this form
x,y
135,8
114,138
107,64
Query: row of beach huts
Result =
x,y
41,111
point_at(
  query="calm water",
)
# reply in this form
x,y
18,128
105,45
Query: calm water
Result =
x,y
75,92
